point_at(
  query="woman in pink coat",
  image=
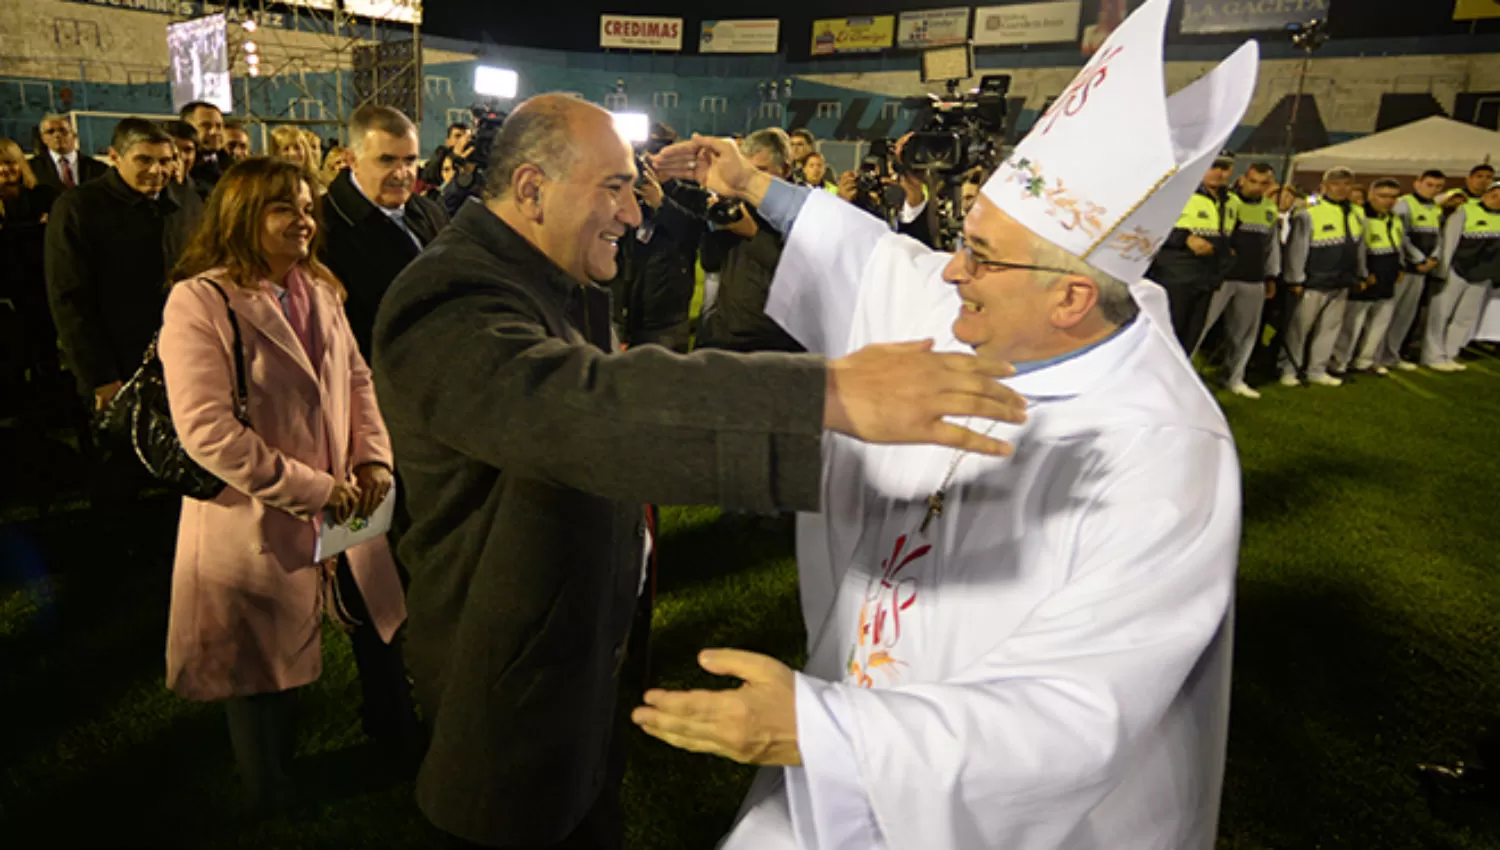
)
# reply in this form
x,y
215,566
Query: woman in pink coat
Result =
x,y
247,597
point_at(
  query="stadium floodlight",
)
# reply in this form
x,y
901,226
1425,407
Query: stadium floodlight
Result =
x,y
251,47
496,82
254,70
252,59
248,25
635,127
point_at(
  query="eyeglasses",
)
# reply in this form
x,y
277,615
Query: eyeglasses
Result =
x,y
972,263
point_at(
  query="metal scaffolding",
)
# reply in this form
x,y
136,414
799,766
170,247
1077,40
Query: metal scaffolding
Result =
x,y
313,62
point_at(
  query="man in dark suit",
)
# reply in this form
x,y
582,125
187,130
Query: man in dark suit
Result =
x,y
109,248
213,160
529,446
373,224
61,166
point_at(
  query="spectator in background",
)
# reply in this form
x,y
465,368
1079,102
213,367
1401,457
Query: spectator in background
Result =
x,y
244,627
236,141
1196,255
1470,262
185,138
24,206
375,224
1357,197
1367,317
1251,279
1475,185
336,162
212,159
62,166
1422,219
751,250
815,173
291,144
458,139
109,246
653,291
803,145
1324,259
314,149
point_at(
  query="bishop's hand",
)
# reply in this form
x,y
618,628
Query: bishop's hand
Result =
x,y
755,723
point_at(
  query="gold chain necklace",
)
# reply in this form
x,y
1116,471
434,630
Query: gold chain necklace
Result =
x,y
935,501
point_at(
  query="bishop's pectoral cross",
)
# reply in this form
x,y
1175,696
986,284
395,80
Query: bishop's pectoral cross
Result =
x,y
934,510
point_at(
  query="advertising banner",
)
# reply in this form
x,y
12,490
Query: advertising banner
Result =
x,y
1027,23
933,28
198,52
198,8
747,36
400,11
640,33
1473,10
853,35
1201,16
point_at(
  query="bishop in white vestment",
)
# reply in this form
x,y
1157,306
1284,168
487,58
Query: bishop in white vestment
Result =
x,y
1020,652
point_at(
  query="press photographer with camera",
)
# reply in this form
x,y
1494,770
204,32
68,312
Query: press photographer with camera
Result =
x,y
653,291
738,320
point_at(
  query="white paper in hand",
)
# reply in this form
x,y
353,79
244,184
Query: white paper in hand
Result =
x,y
335,539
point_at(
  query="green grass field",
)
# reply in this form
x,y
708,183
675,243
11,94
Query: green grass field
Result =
x,y
1367,642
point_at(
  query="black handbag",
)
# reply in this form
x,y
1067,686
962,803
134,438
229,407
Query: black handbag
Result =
x,y
140,417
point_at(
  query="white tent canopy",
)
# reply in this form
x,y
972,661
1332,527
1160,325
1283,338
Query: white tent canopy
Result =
x,y
1410,149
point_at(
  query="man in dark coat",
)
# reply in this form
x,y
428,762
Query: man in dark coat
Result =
x,y
213,160
529,445
109,247
62,166
373,224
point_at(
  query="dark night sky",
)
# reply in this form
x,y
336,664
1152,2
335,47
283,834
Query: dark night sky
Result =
x,y
574,24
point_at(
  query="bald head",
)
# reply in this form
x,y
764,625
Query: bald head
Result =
x,y
546,131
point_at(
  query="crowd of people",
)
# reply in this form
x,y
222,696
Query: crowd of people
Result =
x,y
518,370
1354,279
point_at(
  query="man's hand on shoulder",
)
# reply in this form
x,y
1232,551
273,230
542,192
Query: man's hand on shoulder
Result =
x,y
901,393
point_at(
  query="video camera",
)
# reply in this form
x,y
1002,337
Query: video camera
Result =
x,y
958,132
487,123
720,212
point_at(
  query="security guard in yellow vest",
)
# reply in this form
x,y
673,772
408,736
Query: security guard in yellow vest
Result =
x,y
1196,254
1251,278
1471,260
1422,219
1367,316
1325,258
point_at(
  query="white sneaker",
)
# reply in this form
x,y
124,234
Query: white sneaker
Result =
x,y
1290,381
1325,381
1459,367
1244,391
1443,367
1375,370
1406,366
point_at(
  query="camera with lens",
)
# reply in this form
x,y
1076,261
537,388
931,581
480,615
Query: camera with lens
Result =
x,y
720,212
487,123
958,132
1308,36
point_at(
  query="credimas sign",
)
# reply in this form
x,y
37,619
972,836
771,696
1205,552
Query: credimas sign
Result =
x,y
853,35
640,33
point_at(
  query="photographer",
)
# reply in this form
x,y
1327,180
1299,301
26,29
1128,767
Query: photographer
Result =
x,y
751,250
653,291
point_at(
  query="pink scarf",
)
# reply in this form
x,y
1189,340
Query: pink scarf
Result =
x,y
299,313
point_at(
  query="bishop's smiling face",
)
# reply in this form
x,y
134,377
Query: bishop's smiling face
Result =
x,y
1005,313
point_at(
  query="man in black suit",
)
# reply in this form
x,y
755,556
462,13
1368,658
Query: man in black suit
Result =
x,y
109,248
373,225
213,160
62,166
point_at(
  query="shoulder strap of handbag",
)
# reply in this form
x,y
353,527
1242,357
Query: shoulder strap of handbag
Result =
x,y
241,392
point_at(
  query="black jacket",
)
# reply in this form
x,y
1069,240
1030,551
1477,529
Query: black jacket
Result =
x,y
366,249
1175,263
653,292
206,172
108,253
738,320
528,450
45,169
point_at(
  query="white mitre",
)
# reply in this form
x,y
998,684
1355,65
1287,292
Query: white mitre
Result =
x,y
1106,172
